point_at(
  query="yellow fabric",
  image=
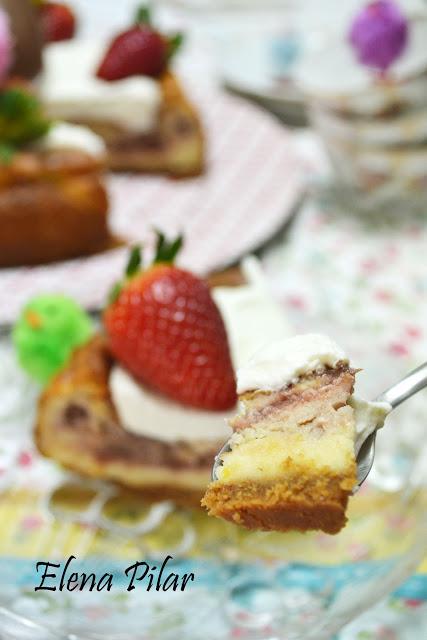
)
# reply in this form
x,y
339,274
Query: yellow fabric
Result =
x,y
29,530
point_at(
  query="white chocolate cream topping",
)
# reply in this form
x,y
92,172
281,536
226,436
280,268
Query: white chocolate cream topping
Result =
x,y
147,414
252,317
63,135
369,416
283,362
71,90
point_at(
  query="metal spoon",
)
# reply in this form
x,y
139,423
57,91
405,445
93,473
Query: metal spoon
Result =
x,y
395,395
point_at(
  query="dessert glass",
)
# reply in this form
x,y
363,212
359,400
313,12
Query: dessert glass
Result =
x,y
374,128
247,584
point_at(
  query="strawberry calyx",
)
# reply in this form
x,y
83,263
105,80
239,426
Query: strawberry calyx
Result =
x,y
141,50
166,252
174,42
143,15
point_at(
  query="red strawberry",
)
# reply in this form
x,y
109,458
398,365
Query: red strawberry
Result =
x,y
165,328
141,50
58,22
138,51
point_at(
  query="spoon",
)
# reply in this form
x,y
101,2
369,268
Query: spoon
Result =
x,y
395,395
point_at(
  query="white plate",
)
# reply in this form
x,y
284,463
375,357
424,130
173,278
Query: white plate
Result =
x,y
253,180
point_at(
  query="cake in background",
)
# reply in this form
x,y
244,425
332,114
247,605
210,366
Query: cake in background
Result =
x,y
367,95
58,21
27,37
53,202
126,92
291,460
145,403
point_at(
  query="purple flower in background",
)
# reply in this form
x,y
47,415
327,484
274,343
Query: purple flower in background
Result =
x,y
6,45
379,34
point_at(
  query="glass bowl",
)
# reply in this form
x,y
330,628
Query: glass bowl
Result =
x,y
253,585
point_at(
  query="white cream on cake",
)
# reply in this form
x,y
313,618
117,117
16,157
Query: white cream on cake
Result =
x,y
369,416
63,135
153,416
71,91
251,317
282,363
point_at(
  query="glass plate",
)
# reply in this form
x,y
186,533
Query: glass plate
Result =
x,y
246,585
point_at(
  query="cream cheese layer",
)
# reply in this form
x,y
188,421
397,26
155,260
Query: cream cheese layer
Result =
x,y
63,135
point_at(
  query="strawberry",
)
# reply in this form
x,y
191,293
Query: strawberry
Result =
x,y
58,22
166,330
141,50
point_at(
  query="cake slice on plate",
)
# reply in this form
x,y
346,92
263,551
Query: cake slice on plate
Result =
x,y
53,202
146,403
127,94
25,30
292,459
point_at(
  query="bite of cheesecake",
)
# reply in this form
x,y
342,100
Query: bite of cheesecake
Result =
x,y
291,463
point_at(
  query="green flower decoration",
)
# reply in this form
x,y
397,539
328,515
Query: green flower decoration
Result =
x,y
21,118
48,330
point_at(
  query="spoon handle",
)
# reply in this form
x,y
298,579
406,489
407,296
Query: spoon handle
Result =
x,y
405,388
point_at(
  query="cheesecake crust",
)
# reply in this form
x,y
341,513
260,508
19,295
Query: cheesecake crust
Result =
x,y
299,502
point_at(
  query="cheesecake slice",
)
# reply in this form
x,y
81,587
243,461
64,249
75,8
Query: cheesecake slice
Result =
x,y
291,464
148,124
96,420
78,426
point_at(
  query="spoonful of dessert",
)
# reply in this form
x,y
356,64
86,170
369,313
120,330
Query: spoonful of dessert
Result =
x,y
302,442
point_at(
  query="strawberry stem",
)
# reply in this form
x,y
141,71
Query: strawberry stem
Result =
x,y
115,292
132,268
7,152
134,262
143,15
167,251
174,44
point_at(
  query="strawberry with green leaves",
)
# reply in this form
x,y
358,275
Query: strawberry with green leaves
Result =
x,y
165,329
140,50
